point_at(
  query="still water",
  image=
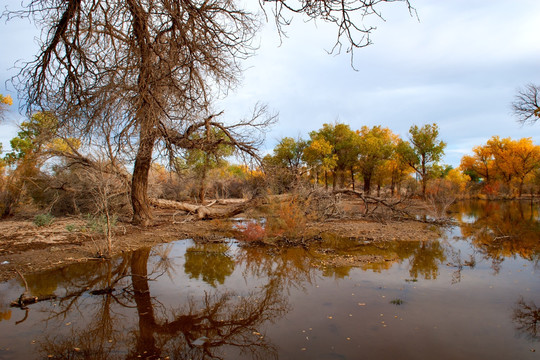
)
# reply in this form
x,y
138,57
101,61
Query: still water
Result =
x,y
473,293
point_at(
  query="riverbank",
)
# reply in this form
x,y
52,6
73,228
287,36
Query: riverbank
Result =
x,y
28,248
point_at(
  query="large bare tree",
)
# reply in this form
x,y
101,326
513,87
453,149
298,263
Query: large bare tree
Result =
x,y
526,104
152,67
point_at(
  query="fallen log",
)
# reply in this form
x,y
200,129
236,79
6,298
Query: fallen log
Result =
x,y
22,302
204,212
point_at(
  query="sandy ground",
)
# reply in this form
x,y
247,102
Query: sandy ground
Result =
x,y
27,248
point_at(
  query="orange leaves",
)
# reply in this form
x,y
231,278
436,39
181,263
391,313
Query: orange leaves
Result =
x,y
252,232
507,160
7,100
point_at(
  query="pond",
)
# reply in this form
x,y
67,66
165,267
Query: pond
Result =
x,y
473,293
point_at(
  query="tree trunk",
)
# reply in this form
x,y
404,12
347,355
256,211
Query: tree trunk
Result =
x,y
424,178
326,179
142,214
424,181
367,184
352,178
202,188
203,212
146,116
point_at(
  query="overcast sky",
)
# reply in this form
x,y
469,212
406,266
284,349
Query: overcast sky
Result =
x,y
459,66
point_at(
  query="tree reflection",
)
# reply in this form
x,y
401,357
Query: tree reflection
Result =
x,y
209,262
526,317
502,229
335,256
426,259
213,326
5,312
290,266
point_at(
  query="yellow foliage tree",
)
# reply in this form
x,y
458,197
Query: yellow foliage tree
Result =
x,y
480,164
319,156
5,101
458,179
36,141
512,161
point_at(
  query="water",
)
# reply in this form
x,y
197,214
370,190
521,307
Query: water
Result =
x,y
471,294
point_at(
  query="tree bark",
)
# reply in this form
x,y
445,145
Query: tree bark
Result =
x,y
142,214
146,117
352,178
367,183
326,179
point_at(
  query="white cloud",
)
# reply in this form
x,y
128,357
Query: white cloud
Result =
x,y
459,66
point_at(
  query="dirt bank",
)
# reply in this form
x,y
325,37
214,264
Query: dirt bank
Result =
x,y
30,248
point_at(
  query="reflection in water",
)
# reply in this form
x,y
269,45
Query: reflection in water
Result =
x,y
201,328
459,264
501,229
206,301
209,262
336,256
426,259
527,319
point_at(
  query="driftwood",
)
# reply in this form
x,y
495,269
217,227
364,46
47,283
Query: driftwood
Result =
x,y
377,202
22,302
24,299
206,212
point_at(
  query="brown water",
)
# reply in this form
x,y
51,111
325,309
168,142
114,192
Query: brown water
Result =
x,y
471,294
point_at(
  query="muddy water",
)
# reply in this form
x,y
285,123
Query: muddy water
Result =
x,y
474,293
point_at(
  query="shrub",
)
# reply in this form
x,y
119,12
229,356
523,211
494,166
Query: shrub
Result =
x,y
43,220
253,231
99,223
286,219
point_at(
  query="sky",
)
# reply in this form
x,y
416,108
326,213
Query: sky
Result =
x,y
459,65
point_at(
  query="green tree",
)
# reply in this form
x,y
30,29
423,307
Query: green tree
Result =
x,y
36,142
375,146
26,157
344,144
423,151
285,166
202,161
288,154
319,156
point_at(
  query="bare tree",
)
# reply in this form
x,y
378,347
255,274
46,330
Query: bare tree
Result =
x,y
347,15
526,104
152,68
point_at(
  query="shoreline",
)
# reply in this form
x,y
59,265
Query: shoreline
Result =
x,y
28,248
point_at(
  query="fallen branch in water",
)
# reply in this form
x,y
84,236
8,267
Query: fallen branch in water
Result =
x,y
22,302
24,299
